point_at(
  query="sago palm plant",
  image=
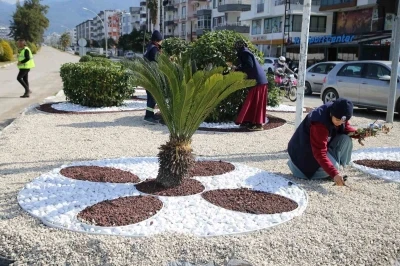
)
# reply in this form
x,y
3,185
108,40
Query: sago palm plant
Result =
x,y
185,98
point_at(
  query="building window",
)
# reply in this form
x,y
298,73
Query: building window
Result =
x,y
204,22
317,23
219,21
260,6
183,12
256,27
272,25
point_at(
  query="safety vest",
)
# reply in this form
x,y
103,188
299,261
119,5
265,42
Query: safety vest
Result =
x,y
28,65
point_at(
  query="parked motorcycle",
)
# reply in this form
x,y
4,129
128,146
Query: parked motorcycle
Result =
x,y
288,83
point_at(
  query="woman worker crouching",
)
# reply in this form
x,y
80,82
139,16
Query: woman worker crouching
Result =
x,y
321,143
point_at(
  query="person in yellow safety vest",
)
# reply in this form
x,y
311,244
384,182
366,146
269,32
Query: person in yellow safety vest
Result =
x,y
25,64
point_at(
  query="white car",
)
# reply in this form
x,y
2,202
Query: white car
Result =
x,y
129,55
269,64
316,74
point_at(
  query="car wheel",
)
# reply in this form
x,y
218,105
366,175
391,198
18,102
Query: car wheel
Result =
x,y
330,95
308,90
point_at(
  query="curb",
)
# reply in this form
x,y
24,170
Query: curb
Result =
x,y
7,65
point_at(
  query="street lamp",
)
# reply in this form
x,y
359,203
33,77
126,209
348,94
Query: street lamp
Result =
x,y
105,31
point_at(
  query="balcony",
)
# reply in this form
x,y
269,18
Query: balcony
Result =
x,y
170,8
204,11
169,21
238,27
142,3
328,5
234,6
201,31
300,2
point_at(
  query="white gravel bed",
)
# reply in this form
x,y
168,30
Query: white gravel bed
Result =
x,y
57,200
341,226
219,125
128,105
391,154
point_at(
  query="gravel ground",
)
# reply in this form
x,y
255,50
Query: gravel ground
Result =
x,y
341,226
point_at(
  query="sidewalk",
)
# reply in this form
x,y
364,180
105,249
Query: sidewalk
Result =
x,y
339,227
44,81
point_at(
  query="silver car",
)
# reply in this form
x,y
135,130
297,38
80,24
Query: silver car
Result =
x,y
315,76
365,83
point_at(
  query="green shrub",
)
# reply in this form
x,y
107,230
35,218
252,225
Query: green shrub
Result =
x,y
13,46
85,58
96,85
7,52
274,93
33,47
175,46
217,48
1,49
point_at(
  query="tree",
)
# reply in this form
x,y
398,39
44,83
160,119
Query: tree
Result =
x,y
65,40
29,21
152,5
134,40
175,46
125,42
110,43
185,98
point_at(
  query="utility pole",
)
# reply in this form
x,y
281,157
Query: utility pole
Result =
x,y
305,33
395,65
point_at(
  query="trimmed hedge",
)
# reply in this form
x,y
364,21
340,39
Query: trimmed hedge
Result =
x,y
85,58
13,45
96,85
274,93
7,54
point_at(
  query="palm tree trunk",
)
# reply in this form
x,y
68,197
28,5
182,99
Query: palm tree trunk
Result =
x,y
175,160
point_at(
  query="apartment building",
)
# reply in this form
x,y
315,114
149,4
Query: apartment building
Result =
x,y
85,30
363,27
134,19
275,26
112,24
4,32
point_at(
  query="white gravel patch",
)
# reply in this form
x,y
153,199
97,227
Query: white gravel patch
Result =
x,y
128,105
219,125
283,108
57,200
392,154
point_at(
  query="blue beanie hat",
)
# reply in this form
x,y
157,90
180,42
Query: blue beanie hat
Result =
x,y
156,36
342,109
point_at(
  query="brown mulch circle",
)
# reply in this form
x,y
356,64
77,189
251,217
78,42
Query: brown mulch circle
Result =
x,y
210,168
121,211
99,174
274,122
46,107
306,111
386,165
187,188
249,201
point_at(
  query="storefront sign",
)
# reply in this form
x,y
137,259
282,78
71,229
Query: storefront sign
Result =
x,y
327,39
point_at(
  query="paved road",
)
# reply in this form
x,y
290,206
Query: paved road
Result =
x,y
44,81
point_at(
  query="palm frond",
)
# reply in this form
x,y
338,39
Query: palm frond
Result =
x,y
185,97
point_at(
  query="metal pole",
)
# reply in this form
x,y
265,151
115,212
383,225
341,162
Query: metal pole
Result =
x,y
106,32
395,65
303,61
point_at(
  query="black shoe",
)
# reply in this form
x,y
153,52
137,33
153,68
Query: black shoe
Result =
x,y
256,128
24,96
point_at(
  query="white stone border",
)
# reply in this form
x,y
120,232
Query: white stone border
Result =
x,y
392,154
129,105
56,201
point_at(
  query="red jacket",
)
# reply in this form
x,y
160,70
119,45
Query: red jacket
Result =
x,y
319,144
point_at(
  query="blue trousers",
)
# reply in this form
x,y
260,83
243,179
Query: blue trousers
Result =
x,y
151,103
339,153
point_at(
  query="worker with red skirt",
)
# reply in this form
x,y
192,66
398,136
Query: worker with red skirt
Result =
x,y
253,112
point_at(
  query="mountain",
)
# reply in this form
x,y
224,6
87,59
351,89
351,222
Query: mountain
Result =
x,y
6,11
68,13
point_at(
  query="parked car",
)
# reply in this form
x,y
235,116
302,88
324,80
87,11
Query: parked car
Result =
x,y
315,76
269,64
129,55
365,83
